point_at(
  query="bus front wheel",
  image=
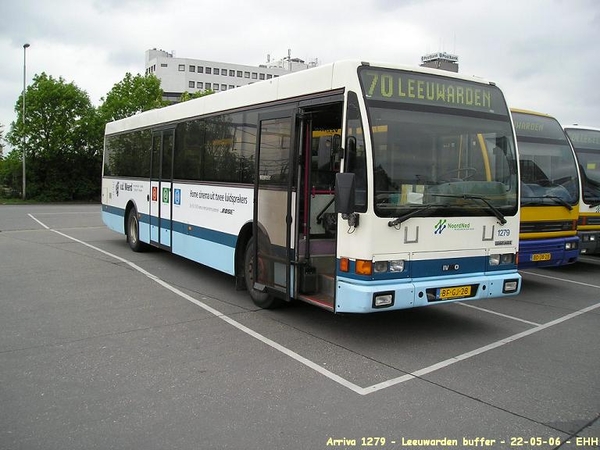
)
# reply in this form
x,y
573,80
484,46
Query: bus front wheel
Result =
x,y
133,231
260,299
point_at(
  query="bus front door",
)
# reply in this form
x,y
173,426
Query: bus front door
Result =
x,y
274,197
161,188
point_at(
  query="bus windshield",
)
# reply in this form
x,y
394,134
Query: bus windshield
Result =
x,y
587,148
548,167
436,151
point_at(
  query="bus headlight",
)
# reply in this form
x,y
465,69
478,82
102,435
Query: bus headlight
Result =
x,y
395,266
510,286
383,300
380,266
570,245
504,258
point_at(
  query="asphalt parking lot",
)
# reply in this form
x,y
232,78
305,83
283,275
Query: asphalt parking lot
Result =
x,y
103,348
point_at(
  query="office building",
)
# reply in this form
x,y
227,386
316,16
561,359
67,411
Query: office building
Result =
x,y
178,75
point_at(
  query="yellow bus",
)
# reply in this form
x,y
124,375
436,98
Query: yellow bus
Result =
x,y
550,192
586,142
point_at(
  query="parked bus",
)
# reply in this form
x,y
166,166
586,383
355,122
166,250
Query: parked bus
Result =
x,y
352,186
586,142
550,192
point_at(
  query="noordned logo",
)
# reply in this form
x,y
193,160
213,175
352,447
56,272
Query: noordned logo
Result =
x,y
440,226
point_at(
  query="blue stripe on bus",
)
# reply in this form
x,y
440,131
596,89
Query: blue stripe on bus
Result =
x,y
116,215
431,268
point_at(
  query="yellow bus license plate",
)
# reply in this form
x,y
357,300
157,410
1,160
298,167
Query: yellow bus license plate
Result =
x,y
541,256
454,292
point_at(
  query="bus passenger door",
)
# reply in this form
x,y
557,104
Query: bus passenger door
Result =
x,y
161,188
273,203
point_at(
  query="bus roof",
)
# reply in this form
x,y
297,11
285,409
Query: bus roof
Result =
x,y
533,113
580,127
324,78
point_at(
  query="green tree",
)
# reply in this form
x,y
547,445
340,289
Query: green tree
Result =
x,y
1,144
10,175
187,96
132,95
62,149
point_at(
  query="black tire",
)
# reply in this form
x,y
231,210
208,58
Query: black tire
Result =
x,y
133,231
261,299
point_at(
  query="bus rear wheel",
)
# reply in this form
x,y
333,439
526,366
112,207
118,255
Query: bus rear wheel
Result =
x,y
260,299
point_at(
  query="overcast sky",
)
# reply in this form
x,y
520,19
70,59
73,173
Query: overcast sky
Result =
x,y
542,53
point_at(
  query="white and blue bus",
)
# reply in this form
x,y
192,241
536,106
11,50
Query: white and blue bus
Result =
x,y
354,186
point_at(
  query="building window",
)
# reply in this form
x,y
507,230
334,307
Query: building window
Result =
x,y
208,70
208,86
231,86
192,68
200,69
269,76
216,71
200,85
239,73
262,76
164,65
246,74
216,87
254,76
191,84
182,67
223,87
232,73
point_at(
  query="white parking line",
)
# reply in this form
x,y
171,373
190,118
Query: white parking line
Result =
x,y
498,314
311,364
580,283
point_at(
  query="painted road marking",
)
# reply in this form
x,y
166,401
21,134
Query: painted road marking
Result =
x,y
316,367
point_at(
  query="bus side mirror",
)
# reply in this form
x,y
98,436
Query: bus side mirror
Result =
x,y
344,197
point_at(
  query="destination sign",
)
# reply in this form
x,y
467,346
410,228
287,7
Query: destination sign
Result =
x,y
584,138
530,125
425,89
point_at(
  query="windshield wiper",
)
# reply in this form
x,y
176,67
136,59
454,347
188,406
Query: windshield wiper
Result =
x,y
492,208
399,220
560,201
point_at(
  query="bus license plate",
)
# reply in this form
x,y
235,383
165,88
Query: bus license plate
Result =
x,y
454,292
541,256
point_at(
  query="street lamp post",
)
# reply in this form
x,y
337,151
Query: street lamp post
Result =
x,y
25,47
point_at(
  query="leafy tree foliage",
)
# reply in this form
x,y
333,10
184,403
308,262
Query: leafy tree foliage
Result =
x,y
132,95
64,135
62,150
187,96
